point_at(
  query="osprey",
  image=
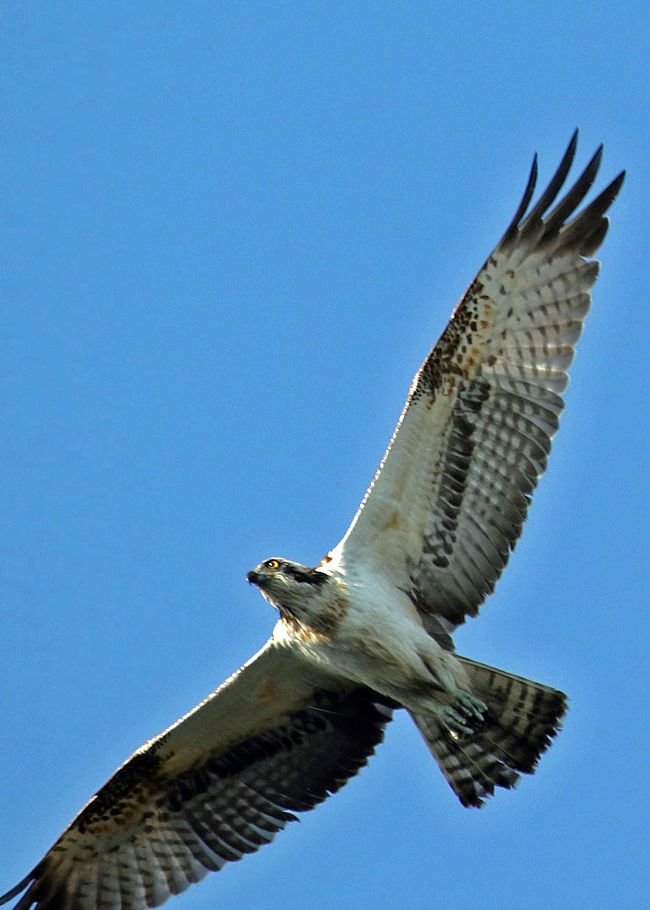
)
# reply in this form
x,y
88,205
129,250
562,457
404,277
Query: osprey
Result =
x,y
368,630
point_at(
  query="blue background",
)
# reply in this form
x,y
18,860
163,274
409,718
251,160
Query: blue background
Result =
x,y
231,233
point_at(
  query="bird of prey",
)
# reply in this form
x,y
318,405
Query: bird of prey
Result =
x,y
368,630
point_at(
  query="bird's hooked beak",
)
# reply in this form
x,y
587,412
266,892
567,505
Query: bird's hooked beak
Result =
x,y
256,578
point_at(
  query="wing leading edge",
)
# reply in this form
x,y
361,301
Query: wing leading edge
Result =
x,y
451,495
277,738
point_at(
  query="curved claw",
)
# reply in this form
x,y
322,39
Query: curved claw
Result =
x,y
474,706
464,715
454,721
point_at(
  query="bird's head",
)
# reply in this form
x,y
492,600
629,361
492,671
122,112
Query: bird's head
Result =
x,y
292,588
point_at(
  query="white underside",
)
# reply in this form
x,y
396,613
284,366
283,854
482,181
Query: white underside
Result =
x,y
381,643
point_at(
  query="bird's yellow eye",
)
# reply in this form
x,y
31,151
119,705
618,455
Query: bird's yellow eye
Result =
x,y
272,564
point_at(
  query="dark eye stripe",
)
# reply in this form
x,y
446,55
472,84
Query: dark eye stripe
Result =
x,y
310,577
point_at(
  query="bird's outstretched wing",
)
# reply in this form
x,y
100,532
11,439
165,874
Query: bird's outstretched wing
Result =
x,y
449,499
277,738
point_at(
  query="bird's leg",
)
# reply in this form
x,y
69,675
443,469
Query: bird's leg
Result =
x,y
456,708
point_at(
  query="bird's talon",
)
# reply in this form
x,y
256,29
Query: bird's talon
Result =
x,y
454,721
473,706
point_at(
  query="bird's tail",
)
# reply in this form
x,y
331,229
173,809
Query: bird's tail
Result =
x,y
521,719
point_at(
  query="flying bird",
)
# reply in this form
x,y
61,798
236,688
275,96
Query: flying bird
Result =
x,y
368,630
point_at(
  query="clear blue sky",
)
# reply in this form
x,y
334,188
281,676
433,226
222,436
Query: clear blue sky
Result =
x,y
231,233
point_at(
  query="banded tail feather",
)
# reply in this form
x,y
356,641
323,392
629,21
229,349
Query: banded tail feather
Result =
x,y
522,718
